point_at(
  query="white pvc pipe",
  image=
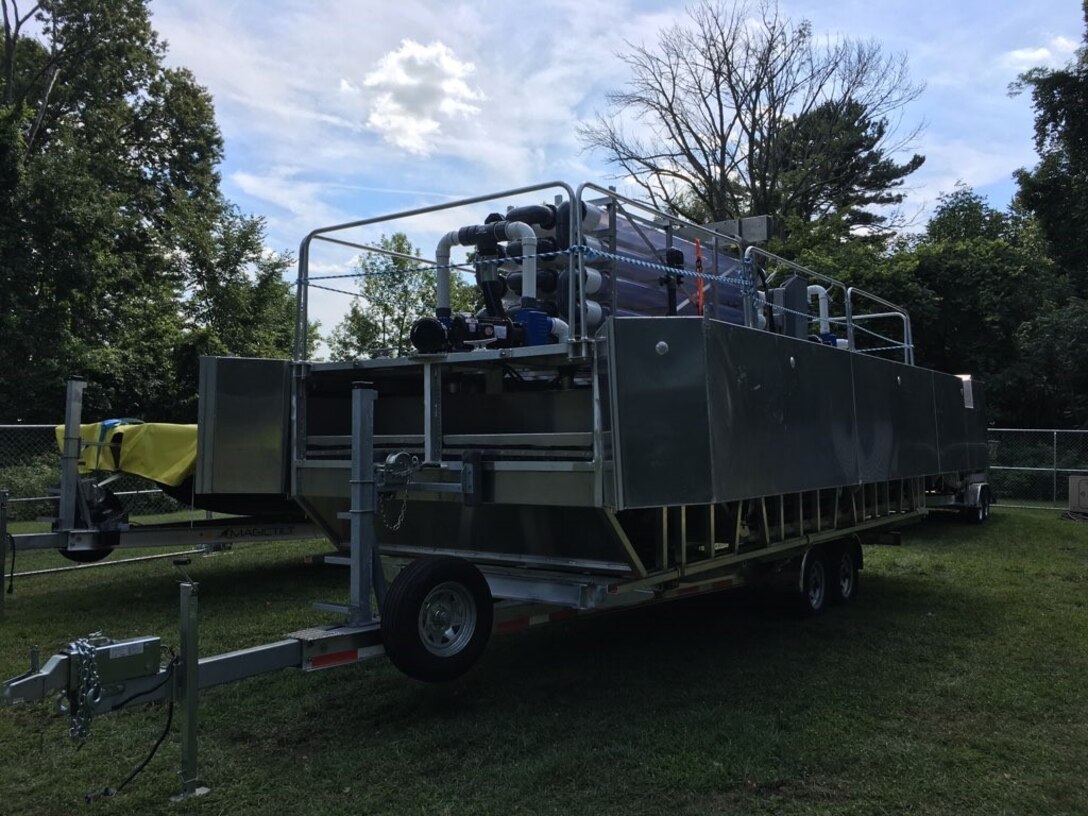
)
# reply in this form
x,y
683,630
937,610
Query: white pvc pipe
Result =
x,y
560,329
594,281
825,311
442,261
515,230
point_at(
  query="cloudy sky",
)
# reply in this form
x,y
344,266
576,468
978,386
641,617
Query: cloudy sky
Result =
x,y
334,111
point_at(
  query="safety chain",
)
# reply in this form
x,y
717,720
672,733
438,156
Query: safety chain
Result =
x,y
89,690
400,516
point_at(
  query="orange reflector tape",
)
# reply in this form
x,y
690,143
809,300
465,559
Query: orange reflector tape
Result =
x,y
335,659
515,624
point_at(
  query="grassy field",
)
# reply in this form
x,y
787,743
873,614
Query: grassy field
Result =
x,y
955,685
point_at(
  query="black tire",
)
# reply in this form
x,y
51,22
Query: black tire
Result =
x,y
437,618
86,556
811,594
842,570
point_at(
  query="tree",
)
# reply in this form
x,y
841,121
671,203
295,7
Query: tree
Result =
x,y
1056,190
395,290
118,249
1052,349
987,274
744,113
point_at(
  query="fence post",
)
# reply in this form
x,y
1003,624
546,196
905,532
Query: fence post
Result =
x,y
4,546
1055,496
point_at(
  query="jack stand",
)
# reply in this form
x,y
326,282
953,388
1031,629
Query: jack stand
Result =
x,y
69,461
187,687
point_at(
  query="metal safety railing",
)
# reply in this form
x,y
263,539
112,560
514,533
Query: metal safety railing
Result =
x,y
860,321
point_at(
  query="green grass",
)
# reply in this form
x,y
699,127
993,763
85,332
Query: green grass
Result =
x,y
955,685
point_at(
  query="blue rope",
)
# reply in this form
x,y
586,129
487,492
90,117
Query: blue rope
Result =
x,y
583,250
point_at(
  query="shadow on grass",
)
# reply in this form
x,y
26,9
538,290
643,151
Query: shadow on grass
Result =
x,y
732,666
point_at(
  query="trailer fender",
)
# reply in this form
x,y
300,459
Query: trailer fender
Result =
x,y
973,495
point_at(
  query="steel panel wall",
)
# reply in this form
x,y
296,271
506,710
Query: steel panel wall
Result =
x,y
897,432
777,426
732,413
659,412
242,428
951,424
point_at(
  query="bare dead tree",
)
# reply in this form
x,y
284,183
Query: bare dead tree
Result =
x,y
14,21
739,110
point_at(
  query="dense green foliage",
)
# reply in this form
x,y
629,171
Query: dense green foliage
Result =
x,y
984,299
121,260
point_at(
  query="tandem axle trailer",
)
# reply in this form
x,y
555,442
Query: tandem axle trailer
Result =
x,y
641,410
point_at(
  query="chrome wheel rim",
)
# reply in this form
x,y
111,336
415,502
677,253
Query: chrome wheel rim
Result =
x,y
447,619
816,584
846,576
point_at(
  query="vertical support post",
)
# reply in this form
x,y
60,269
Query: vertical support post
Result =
x,y
682,535
3,545
432,413
711,529
848,310
664,553
364,550
69,461
1054,500
188,690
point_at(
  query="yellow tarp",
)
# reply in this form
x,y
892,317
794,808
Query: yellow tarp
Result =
x,y
158,451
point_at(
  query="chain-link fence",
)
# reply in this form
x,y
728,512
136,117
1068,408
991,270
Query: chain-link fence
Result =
x,y
1031,468
30,472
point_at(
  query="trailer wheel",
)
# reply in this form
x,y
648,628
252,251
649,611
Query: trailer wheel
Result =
x,y
86,556
813,589
437,618
981,512
843,579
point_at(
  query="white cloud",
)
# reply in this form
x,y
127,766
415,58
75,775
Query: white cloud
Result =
x,y
322,112
1052,55
417,88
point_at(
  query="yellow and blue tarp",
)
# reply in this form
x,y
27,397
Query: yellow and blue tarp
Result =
x,y
159,451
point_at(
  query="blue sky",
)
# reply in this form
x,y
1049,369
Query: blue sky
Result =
x,y
339,110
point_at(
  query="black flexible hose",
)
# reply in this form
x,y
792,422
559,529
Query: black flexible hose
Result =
x,y
108,791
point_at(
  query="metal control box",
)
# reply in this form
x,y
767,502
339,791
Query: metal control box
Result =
x,y
1078,494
